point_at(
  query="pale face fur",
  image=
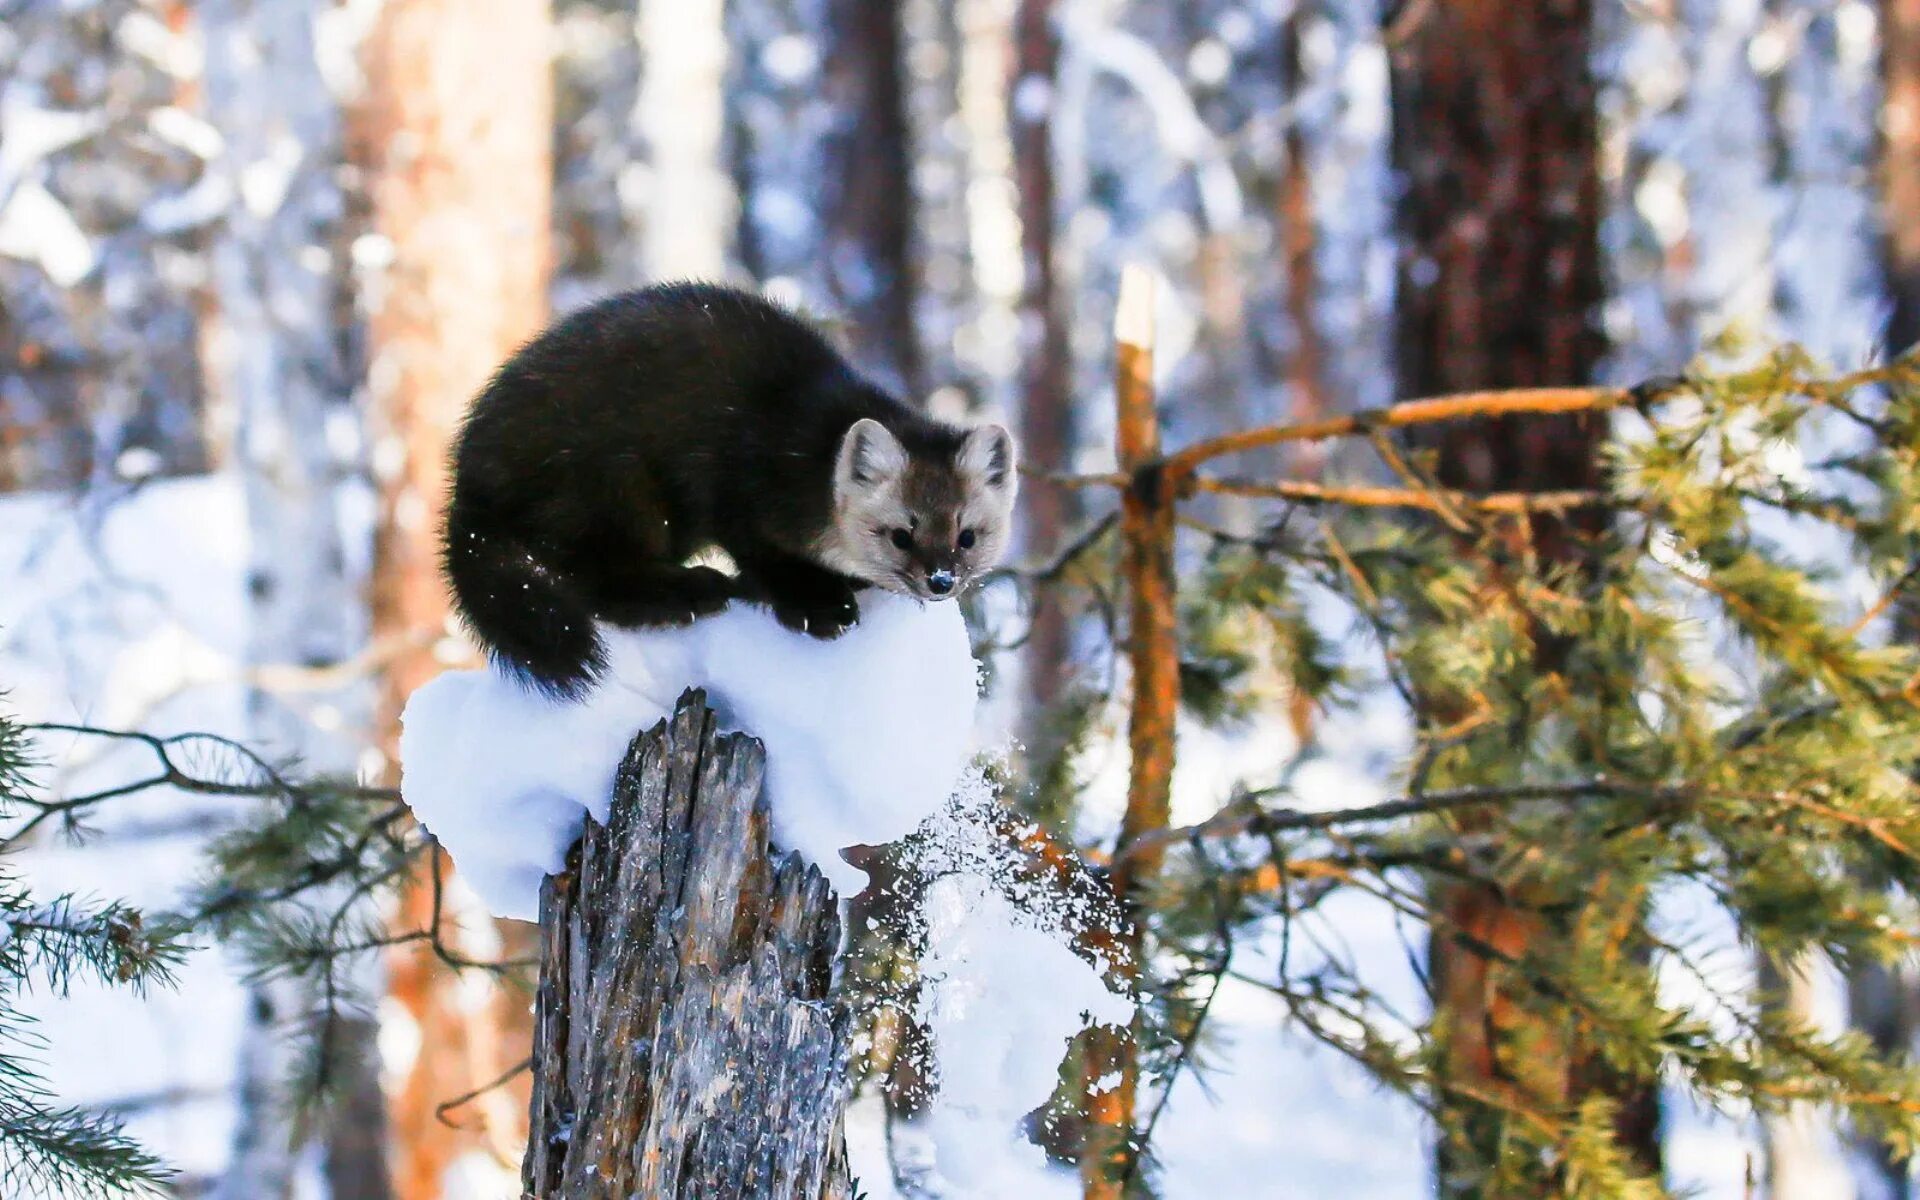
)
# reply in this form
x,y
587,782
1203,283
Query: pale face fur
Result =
x,y
920,528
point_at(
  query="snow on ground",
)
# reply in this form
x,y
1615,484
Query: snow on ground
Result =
x,y
1273,1114
125,618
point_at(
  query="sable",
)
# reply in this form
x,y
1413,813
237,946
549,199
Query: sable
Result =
x,y
656,424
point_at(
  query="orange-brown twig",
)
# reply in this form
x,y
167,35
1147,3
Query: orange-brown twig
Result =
x,y
1147,511
1437,501
1458,407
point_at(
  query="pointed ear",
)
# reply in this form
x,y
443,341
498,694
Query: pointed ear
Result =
x,y
987,455
870,456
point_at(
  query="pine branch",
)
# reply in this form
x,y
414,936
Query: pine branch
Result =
x,y
72,1153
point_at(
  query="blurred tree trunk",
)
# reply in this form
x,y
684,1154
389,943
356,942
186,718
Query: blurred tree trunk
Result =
x,y
602,185
1046,424
681,119
641,189
1305,360
1306,369
276,364
869,191
823,170
946,296
1239,74
1883,1002
1900,167
1495,137
456,141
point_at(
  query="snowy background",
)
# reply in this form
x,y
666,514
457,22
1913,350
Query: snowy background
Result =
x,y
143,584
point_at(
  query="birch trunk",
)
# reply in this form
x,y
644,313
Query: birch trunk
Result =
x,y
681,118
275,362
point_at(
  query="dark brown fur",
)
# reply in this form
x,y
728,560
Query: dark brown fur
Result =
x,y
656,424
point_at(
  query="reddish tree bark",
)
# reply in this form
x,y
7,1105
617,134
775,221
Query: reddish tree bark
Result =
x,y
1496,136
868,210
1306,371
455,138
1046,404
1900,166
1110,1071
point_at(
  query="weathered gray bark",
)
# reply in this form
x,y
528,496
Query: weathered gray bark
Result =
x,y
686,1043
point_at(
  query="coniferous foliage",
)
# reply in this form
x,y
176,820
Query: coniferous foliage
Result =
x,y
1709,703
46,1147
295,889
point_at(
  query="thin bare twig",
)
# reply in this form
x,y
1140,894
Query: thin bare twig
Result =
x,y
465,1098
1248,819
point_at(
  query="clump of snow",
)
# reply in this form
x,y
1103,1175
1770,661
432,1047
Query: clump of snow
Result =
x,y
867,741
1002,994
504,778
866,735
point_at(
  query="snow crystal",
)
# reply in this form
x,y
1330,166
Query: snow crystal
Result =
x,y
198,137
1002,994
1002,989
1032,99
30,134
865,736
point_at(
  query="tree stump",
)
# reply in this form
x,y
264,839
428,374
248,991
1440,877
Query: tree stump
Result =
x,y
685,1042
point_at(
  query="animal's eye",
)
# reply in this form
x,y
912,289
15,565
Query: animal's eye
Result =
x,y
967,538
903,539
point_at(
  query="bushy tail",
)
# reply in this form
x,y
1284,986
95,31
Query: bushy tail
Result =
x,y
531,622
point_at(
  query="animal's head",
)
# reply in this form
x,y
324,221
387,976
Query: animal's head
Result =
x,y
922,524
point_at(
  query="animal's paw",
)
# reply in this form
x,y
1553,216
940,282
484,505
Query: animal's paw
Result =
x,y
706,591
824,619
667,600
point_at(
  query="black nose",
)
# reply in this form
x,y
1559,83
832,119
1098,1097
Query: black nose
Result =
x,y
940,582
